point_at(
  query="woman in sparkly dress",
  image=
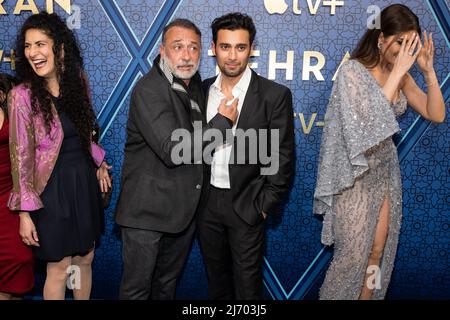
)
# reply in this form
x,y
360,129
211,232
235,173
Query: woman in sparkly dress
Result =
x,y
359,189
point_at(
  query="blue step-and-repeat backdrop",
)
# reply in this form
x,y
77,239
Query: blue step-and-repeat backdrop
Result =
x,y
299,43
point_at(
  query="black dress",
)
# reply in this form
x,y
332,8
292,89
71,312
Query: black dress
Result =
x,y
71,220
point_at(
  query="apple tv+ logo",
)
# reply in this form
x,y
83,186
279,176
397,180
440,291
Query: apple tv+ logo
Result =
x,y
280,6
275,6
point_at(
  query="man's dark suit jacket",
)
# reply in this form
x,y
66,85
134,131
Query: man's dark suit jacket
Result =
x,y
156,194
267,105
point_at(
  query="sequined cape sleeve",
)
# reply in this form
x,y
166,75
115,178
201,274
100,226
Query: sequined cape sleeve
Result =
x,y
358,118
22,151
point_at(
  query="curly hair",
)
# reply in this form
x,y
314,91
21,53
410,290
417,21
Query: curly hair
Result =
x,y
74,92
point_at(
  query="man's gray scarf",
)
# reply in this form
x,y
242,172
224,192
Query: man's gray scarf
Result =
x,y
179,87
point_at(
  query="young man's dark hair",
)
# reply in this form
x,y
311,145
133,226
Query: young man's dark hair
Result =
x,y
233,21
182,23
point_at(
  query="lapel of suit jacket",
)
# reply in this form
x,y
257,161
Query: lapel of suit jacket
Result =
x,y
250,104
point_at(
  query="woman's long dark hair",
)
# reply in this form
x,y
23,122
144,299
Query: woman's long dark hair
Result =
x,y
6,84
74,91
394,19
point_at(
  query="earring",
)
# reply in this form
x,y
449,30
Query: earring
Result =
x,y
380,45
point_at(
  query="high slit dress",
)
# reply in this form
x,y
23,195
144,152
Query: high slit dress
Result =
x,y
358,169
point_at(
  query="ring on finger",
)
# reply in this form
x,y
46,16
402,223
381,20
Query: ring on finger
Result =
x,y
411,53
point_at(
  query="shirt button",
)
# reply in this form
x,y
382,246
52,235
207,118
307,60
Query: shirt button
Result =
x,y
198,187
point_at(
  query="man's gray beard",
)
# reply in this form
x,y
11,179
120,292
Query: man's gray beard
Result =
x,y
176,74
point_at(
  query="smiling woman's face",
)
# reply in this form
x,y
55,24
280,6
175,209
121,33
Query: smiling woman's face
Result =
x,y
39,53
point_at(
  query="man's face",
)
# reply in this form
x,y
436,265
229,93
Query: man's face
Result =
x,y
181,51
232,51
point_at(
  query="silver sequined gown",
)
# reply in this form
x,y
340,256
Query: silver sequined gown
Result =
x,y
358,168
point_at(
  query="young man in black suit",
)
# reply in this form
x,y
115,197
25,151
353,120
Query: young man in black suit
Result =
x,y
243,191
159,194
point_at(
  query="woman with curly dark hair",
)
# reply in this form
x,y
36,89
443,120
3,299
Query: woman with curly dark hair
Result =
x,y
16,259
53,156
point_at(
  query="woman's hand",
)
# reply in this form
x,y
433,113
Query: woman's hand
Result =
x,y
426,55
27,230
409,51
103,177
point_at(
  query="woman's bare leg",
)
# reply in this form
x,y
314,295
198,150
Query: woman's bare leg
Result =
x,y
5,296
373,265
55,283
84,263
